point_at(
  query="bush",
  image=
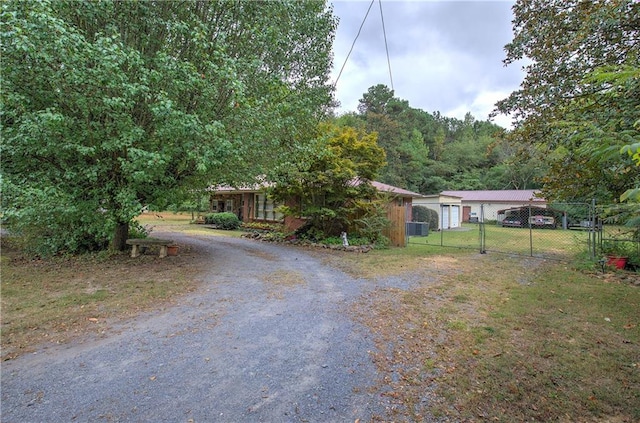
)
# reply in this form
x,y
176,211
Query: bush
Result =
x,y
225,220
263,226
54,223
136,230
424,214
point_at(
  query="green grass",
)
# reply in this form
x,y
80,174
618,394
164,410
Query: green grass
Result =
x,y
522,241
565,345
180,222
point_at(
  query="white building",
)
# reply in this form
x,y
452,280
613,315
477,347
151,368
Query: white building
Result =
x,y
493,201
448,207
455,207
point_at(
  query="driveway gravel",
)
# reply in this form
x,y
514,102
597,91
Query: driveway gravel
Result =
x,y
268,337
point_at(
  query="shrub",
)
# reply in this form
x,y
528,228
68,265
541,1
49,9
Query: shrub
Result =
x,y
424,214
225,220
263,226
55,224
137,230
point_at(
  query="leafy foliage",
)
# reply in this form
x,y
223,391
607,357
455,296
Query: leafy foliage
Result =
x,y
332,184
425,214
225,220
429,153
580,99
109,106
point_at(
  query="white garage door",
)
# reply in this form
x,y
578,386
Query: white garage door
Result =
x,y
455,216
444,224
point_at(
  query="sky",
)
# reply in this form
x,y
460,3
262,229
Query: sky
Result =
x,y
445,55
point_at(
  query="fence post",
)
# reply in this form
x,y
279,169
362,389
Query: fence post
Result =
x,y
594,230
530,232
441,224
482,230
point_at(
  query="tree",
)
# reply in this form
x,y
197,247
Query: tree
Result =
x,y
575,102
334,186
375,100
430,152
108,106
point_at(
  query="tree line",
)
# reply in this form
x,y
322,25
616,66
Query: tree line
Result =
x,y
429,153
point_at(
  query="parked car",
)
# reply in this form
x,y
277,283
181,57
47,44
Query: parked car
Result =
x,y
540,221
525,217
512,222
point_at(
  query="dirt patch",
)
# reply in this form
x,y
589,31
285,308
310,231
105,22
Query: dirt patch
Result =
x,y
279,281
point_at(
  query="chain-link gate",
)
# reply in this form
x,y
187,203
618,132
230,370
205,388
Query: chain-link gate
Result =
x,y
557,231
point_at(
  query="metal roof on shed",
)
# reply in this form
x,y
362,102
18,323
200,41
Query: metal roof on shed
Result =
x,y
498,196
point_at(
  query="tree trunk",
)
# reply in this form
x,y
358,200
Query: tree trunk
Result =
x,y
118,243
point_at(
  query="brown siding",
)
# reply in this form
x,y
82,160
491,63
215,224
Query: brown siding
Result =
x,y
396,231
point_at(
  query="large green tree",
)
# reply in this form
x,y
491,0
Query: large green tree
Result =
x,y
108,106
333,186
580,99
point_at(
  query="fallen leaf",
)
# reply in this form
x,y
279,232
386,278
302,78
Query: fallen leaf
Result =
x,y
152,378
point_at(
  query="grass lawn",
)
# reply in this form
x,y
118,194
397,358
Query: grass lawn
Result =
x,y
480,337
63,298
181,221
504,339
556,243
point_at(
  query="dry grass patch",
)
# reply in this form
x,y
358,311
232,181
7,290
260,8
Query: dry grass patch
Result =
x,y
508,339
56,300
397,261
280,280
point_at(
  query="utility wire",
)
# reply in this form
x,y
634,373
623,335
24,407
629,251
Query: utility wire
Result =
x,y
354,42
384,32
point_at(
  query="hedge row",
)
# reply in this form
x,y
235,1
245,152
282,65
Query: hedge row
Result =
x,y
225,220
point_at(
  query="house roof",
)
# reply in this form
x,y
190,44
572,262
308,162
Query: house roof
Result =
x,y
498,196
227,189
264,185
394,190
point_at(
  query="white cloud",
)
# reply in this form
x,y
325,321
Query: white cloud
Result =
x,y
445,56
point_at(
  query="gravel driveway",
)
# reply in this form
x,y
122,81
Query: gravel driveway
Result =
x,y
268,337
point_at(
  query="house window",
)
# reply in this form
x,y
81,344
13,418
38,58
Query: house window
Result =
x,y
228,206
265,209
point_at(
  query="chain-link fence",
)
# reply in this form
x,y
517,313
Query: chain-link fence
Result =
x,y
555,231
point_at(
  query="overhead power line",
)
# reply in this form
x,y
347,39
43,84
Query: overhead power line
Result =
x,y
354,43
384,32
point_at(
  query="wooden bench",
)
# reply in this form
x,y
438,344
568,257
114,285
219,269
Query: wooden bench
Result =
x,y
137,242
